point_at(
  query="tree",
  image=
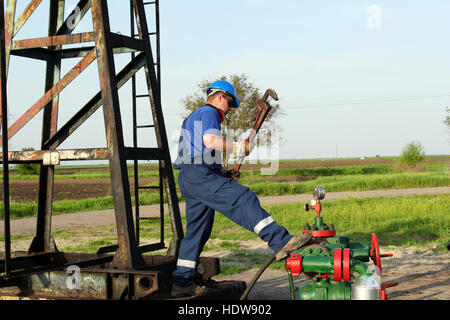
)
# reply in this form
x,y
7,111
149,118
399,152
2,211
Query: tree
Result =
x,y
28,168
240,119
412,154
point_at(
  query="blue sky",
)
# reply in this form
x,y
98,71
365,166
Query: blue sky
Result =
x,y
346,89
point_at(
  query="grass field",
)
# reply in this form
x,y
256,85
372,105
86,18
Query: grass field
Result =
x,y
292,178
410,220
420,221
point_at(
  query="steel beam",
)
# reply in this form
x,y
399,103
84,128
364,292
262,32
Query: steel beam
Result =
x,y
43,240
120,41
53,41
127,255
54,157
9,29
25,15
87,110
4,110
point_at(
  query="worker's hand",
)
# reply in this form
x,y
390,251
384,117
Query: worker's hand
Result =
x,y
241,149
233,174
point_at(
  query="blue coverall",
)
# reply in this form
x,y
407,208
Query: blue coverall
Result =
x,y
206,191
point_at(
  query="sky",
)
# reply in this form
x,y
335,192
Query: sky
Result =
x,y
355,78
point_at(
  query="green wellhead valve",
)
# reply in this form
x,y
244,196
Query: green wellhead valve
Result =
x,y
338,268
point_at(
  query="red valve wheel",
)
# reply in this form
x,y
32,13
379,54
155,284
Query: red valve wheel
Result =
x,y
321,233
346,264
337,264
294,264
375,254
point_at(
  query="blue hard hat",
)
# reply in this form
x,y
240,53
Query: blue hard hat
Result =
x,y
227,87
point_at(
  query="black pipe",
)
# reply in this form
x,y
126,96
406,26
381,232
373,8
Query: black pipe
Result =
x,y
256,277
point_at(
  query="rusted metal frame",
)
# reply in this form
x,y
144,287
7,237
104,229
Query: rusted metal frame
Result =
x,y
35,53
48,261
4,110
53,263
55,90
144,153
82,52
142,249
158,75
9,29
45,54
96,102
25,15
63,29
53,41
127,255
158,45
43,240
32,263
49,157
119,40
96,284
161,135
120,46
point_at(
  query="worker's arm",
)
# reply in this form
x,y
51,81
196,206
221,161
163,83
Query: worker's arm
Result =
x,y
215,142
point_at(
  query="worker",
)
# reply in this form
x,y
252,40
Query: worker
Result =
x,y
208,187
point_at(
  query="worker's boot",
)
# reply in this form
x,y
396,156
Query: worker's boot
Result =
x,y
292,245
192,290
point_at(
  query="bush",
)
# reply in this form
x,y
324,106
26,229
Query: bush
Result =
x,y
412,154
28,168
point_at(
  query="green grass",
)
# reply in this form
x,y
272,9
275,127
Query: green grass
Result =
x,y
410,220
355,183
401,221
327,171
334,179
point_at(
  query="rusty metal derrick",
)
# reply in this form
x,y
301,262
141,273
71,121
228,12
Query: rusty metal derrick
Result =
x,y
119,271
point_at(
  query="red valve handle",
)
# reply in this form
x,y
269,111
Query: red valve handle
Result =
x,y
317,207
375,251
375,254
337,264
383,295
294,263
346,264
